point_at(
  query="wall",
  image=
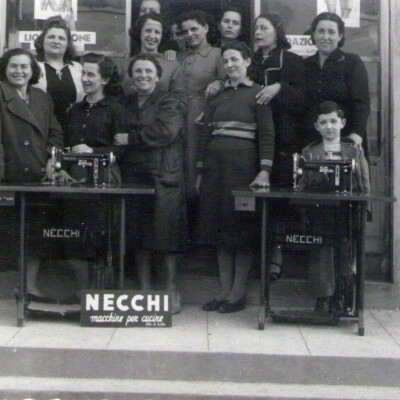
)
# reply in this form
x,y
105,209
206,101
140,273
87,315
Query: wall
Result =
x,y
395,128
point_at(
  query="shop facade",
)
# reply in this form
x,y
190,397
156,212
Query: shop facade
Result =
x,y
371,31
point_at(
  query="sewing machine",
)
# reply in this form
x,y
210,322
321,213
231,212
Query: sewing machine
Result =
x,y
95,165
335,175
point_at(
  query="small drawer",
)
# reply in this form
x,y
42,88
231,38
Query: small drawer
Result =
x,y
245,203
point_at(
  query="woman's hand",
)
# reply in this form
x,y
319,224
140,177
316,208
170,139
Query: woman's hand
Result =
x,y
262,180
214,88
81,148
121,139
170,55
62,177
265,95
356,138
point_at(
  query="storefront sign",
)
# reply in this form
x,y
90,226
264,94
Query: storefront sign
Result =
x,y
125,309
302,45
79,38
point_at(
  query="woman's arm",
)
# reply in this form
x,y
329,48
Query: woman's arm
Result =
x,y
163,130
358,89
266,144
288,93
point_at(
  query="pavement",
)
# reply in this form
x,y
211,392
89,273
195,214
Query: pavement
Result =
x,y
55,356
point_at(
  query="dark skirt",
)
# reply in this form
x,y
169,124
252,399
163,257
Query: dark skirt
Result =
x,y
157,222
229,163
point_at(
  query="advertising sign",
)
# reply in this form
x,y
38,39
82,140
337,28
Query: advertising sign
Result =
x,y
126,309
79,38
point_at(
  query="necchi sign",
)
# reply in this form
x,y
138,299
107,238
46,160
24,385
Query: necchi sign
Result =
x,y
125,309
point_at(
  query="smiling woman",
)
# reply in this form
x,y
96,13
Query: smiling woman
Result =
x,y
61,77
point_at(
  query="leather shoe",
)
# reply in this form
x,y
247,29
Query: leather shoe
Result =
x,y
212,305
227,307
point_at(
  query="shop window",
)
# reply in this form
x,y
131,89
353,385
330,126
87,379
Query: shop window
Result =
x,y
99,25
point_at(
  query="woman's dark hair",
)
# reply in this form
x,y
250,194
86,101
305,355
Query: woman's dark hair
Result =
x,y
5,59
232,9
136,30
326,16
197,15
108,70
241,47
58,23
145,57
327,107
281,39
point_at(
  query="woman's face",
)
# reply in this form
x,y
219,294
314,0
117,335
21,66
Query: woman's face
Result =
x,y
327,36
55,42
235,65
19,71
231,25
264,33
150,6
195,33
150,36
144,76
93,83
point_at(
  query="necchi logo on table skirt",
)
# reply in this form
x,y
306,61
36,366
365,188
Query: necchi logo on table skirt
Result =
x,y
61,233
303,239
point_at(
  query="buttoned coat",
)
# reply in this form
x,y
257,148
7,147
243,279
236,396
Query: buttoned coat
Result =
x,y
344,80
28,132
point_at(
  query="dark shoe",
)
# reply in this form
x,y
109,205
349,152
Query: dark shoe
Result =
x,y
39,299
227,307
212,305
322,305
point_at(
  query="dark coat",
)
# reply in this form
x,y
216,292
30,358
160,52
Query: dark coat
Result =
x,y
288,105
154,153
28,132
344,80
153,128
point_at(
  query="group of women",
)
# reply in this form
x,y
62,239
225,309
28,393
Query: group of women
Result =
x,y
193,122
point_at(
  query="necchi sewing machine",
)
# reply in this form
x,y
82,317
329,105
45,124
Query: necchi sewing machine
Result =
x,y
336,192
335,175
97,165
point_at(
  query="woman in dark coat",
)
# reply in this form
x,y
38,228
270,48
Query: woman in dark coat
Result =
x,y
154,155
331,74
28,131
281,73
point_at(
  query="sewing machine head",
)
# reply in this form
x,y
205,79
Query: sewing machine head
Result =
x,y
324,175
94,165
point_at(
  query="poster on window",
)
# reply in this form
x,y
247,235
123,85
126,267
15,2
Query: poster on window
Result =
x,y
49,8
348,10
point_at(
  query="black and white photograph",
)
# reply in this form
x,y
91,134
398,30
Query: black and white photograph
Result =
x,y
199,200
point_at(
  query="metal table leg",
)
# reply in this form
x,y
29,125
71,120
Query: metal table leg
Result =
x,y
361,219
122,242
264,268
22,262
